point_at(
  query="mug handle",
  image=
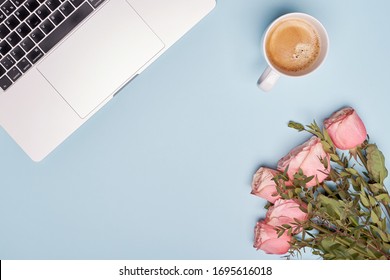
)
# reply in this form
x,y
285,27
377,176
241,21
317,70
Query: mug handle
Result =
x,y
268,79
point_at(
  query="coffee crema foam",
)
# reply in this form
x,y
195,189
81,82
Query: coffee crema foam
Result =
x,y
293,45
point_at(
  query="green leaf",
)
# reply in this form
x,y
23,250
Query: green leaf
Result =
x,y
303,209
372,255
309,208
296,126
376,163
384,197
281,232
334,157
364,200
325,162
308,179
327,147
284,176
377,211
327,137
376,188
354,221
372,200
352,171
327,188
333,206
381,233
374,218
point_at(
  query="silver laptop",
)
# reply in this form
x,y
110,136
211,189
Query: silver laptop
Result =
x,y
62,60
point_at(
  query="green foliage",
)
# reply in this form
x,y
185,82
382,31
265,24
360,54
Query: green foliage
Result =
x,y
296,126
349,213
376,164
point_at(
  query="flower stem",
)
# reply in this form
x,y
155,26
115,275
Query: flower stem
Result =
x,y
364,162
362,158
341,240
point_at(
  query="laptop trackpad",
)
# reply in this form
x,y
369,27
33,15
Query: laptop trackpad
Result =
x,y
94,62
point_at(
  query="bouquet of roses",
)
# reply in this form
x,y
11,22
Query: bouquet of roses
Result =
x,y
327,194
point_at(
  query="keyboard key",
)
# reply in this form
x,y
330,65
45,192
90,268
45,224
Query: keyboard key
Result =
x,y
5,82
17,53
27,44
53,4
7,62
2,71
22,13
77,3
66,8
43,12
17,3
57,17
23,30
13,39
4,47
33,21
8,8
12,22
47,26
37,35
35,55
2,17
4,31
62,30
24,65
14,74
31,5
95,3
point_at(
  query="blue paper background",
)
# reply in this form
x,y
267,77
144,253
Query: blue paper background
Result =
x,y
164,170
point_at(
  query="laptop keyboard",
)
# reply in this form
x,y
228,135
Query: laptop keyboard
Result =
x,y
31,28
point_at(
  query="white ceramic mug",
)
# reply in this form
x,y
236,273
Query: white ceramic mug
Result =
x,y
271,74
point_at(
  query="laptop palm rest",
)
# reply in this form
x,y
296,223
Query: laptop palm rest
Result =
x,y
85,81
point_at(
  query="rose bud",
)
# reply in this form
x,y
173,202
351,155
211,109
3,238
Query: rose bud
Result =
x,y
346,129
286,211
308,158
263,185
266,239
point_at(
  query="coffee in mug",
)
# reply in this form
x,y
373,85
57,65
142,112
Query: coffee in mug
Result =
x,y
294,45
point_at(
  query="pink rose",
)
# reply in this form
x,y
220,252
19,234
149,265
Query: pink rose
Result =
x,y
306,157
263,185
346,129
266,239
285,211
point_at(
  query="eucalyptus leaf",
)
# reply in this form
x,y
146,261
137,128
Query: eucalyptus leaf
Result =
x,y
296,125
372,200
376,188
374,218
334,157
384,197
334,206
364,200
309,207
376,163
348,213
352,171
327,138
327,147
